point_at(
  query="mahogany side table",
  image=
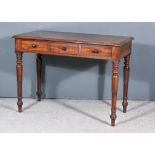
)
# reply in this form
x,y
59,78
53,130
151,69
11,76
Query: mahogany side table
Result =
x,y
91,46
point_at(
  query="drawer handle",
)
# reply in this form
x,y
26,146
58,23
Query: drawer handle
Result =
x,y
63,48
95,51
34,45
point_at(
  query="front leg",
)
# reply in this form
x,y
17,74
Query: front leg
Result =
x,y
126,80
19,71
115,75
39,79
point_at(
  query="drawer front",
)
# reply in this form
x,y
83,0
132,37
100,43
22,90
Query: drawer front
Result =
x,y
64,48
36,46
96,51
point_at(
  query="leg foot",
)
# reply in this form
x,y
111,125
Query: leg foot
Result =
x,y
125,104
19,107
113,117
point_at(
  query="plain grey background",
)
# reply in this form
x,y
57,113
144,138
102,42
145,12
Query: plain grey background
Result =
x,y
77,78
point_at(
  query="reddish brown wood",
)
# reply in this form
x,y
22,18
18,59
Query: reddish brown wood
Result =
x,y
125,49
76,38
19,69
33,45
96,51
39,79
64,48
92,46
126,80
115,72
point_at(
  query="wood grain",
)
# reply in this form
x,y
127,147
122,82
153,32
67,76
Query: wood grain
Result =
x,y
96,51
76,37
64,48
33,45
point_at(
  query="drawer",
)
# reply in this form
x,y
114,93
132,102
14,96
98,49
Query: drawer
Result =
x,y
64,48
96,51
33,45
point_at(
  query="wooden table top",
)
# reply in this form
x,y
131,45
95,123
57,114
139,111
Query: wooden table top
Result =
x,y
76,37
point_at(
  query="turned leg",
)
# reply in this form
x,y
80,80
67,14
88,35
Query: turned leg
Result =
x,y
115,72
39,70
126,80
19,70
